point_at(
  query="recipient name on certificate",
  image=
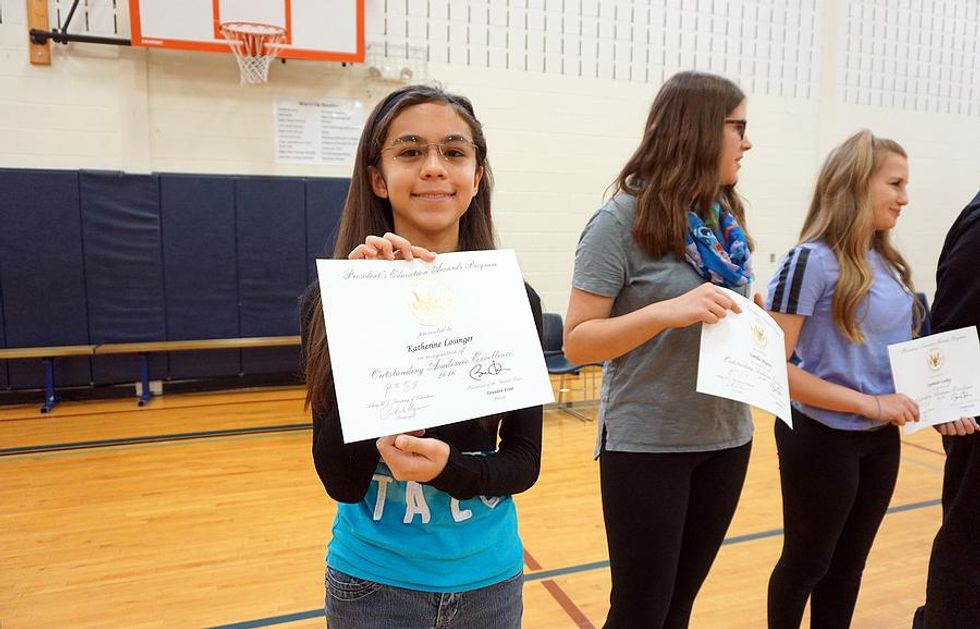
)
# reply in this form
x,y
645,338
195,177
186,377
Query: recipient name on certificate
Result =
x,y
417,344
743,358
940,372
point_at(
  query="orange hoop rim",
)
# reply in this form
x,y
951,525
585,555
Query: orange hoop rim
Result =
x,y
241,29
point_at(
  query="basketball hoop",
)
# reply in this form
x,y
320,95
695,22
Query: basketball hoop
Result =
x,y
254,45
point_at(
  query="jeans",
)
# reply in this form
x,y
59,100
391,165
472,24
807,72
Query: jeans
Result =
x,y
353,603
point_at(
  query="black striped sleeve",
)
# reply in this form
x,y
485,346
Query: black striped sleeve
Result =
x,y
791,281
777,297
798,271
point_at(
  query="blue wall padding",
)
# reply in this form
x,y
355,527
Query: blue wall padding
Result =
x,y
271,215
201,279
4,381
324,203
123,268
101,257
41,272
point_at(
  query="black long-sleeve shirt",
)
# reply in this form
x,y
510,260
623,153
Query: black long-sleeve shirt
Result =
x,y
346,469
957,302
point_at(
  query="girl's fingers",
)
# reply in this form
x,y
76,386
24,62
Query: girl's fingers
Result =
x,y
383,245
363,252
390,247
728,303
423,253
709,317
401,244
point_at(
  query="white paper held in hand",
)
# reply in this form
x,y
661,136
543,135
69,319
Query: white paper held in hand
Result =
x,y
415,344
743,358
941,373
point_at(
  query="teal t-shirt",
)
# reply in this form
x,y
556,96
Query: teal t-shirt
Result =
x,y
413,536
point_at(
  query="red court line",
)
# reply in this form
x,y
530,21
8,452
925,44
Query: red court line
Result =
x,y
915,445
559,595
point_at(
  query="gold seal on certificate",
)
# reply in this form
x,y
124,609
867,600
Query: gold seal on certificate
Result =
x,y
940,373
742,358
418,344
430,302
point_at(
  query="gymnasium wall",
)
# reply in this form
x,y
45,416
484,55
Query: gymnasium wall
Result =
x,y
563,88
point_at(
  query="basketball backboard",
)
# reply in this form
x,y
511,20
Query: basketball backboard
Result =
x,y
331,30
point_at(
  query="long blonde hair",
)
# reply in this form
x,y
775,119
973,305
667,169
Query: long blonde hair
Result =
x,y
842,216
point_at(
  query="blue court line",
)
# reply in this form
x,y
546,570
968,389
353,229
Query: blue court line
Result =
x,y
183,436
928,466
274,620
549,574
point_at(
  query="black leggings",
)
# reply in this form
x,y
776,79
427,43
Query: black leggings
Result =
x,y
666,516
836,488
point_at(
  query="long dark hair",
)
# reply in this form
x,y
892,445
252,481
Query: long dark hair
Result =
x,y
675,167
365,214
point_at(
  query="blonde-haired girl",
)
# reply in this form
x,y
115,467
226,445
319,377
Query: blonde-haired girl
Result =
x,y
841,296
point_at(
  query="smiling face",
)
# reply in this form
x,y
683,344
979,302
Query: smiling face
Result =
x,y
733,146
887,192
429,187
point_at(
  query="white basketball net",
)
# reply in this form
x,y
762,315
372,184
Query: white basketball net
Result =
x,y
254,46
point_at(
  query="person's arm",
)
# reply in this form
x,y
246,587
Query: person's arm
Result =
x,y
344,469
591,335
957,301
512,469
814,391
515,466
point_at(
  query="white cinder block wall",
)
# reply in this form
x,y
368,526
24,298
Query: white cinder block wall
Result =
x,y
563,88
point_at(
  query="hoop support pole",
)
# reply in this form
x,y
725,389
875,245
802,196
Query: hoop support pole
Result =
x,y
39,37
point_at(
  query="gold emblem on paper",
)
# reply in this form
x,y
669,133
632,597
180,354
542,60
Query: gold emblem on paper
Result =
x,y
430,302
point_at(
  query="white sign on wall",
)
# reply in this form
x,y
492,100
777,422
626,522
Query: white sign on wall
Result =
x,y
318,132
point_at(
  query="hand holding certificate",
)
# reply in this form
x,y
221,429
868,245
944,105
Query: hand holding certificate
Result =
x,y
940,372
743,358
417,344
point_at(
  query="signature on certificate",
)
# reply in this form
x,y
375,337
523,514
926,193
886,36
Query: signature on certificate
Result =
x,y
493,368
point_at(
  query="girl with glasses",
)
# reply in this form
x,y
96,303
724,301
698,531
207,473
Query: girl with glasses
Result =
x,y
841,296
647,270
426,530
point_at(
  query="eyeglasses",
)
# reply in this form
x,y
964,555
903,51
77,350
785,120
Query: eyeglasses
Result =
x,y
412,151
740,124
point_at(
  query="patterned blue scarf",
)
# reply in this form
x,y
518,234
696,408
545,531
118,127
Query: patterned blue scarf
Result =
x,y
719,253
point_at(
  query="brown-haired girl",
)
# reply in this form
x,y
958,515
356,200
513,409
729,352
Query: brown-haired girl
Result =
x,y
426,530
648,267
841,296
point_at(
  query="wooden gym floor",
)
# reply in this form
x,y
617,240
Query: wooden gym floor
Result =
x,y
204,511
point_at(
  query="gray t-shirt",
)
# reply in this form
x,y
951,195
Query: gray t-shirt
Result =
x,y
648,399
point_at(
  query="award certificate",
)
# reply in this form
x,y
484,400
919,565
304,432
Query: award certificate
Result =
x,y
417,344
941,373
743,358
